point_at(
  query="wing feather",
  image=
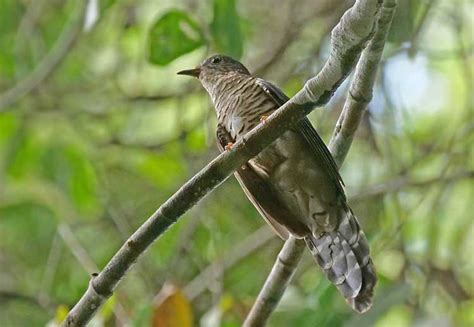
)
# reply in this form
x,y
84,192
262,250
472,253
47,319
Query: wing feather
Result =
x,y
263,196
310,135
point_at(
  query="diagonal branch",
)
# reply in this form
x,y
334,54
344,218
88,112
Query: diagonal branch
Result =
x,y
349,38
360,94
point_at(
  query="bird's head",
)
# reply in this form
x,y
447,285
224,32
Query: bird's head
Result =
x,y
214,66
214,72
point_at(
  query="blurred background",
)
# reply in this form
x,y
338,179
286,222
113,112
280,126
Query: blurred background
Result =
x,y
97,130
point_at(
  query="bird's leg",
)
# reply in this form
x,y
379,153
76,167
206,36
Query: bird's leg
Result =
x,y
263,119
224,139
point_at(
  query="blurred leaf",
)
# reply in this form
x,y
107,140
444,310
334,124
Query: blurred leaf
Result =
x,y
67,166
10,16
404,21
26,220
172,308
390,264
465,316
160,169
225,28
399,316
105,4
141,316
61,313
390,297
173,35
196,140
108,309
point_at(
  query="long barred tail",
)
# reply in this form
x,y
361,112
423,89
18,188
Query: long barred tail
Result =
x,y
344,257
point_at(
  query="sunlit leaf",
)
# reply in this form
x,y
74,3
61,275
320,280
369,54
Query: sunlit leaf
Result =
x,y
61,313
172,309
173,35
225,28
108,309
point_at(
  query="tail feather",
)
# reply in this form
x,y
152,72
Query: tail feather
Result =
x,y
343,254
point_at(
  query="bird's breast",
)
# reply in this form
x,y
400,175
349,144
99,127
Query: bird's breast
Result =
x,y
240,104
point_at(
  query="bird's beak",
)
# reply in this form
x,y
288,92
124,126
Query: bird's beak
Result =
x,y
191,72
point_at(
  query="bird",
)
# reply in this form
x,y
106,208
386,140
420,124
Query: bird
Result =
x,y
294,182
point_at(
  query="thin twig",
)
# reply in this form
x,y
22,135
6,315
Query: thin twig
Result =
x,y
250,244
6,296
50,62
403,182
81,255
349,38
294,29
359,96
52,264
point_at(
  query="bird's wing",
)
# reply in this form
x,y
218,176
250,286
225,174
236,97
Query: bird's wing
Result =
x,y
310,135
263,196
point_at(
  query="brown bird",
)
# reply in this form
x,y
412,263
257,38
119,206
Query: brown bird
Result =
x,y
294,183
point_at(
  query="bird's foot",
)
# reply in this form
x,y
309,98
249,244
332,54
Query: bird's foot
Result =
x,y
229,146
263,119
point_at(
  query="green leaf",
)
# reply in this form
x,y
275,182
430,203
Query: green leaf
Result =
x,y
404,22
10,17
173,35
70,168
105,4
225,28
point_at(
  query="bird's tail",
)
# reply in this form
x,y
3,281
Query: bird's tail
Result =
x,y
344,257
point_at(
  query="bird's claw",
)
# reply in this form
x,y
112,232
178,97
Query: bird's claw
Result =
x,y
263,119
229,146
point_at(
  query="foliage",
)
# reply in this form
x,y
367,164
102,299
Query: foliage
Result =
x,y
112,132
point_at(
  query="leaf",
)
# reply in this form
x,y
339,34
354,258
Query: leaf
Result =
x,y
61,313
10,17
107,310
225,28
173,35
404,21
69,167
172,308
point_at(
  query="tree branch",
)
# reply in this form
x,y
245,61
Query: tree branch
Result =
x,y
349,38
359,96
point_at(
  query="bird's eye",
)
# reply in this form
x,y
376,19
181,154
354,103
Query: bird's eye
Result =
x,y
216,60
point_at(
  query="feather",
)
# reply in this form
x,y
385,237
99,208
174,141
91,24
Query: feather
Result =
x,y
310,135
263,196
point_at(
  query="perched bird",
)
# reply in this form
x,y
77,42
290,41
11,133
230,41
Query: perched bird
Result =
x,y
294,183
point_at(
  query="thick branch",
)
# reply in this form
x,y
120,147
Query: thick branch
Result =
x,y
356,103
349,37
360,91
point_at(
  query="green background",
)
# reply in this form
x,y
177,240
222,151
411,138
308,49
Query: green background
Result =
x,y
110,132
